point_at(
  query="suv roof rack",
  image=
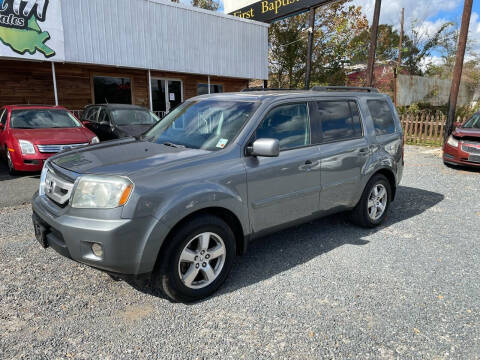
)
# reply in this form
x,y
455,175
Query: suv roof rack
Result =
x,y
259,88
344,88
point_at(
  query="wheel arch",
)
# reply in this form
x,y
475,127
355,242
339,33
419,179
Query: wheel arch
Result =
x,y
389,174
223,213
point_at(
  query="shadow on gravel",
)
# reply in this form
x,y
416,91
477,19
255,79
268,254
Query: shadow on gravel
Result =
x,y
4,175
279,252
465,169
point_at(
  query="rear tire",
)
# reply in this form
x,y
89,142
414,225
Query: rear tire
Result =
x,y
373,206
197,259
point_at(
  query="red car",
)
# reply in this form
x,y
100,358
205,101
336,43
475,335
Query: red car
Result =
x,y
31,134
463,146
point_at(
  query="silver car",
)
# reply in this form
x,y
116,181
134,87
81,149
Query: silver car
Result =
x,y
178,203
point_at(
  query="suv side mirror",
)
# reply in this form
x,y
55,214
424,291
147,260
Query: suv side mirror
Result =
x,y
264,147
1,127
457,124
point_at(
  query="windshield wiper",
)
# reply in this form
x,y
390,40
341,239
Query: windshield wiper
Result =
x,y
174,145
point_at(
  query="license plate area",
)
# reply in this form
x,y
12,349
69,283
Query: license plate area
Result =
x,y
474,158
40,233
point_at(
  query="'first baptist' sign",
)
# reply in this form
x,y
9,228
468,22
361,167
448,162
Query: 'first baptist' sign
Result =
x,y
271,10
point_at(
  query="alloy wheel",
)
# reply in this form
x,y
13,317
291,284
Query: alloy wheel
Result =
x,y
377,202
202,260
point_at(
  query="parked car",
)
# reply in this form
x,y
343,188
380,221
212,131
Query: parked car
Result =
x,y
31,134
177,204
463,146
114,121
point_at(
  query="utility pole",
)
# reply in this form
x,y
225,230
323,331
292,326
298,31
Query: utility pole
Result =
x,y
457,71
311,25
373,43
399,63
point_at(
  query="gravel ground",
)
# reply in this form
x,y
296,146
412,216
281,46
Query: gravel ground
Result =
x,y
16,190
327,289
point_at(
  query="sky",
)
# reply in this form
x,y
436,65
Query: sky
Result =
x,y
427,14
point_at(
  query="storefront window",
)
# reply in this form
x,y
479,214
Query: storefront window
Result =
x,y
112,90
158,95
202,89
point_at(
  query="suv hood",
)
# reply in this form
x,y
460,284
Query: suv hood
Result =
x,y
54,136
123,157
462,132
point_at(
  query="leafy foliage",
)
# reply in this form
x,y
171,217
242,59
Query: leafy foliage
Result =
x,y
206,4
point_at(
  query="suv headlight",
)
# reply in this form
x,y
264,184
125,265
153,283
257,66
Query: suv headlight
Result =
x,y
41,189
452,141
26,147
95,140
101,192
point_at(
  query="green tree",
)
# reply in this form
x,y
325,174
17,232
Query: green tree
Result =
x,y
206,4
335,27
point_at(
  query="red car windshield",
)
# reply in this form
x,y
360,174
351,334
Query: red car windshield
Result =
x,y
42,119
473,123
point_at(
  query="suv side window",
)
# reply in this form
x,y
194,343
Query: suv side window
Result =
x,y
103,116
91,114
340,120
382,117
3,119
287,123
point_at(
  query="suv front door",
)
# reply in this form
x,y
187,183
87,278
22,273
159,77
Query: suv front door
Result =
x,y
285,188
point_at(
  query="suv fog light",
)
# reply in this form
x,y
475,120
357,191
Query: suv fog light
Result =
x,y
97,249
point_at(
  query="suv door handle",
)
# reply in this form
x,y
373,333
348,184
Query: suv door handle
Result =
x,y
364,150
308,162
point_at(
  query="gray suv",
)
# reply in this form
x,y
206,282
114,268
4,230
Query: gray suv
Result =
x,y
179,202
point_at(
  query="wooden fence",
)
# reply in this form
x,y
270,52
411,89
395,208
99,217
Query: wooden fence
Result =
x,y
421,129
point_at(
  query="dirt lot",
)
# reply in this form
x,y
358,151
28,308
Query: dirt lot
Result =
x,y
409,289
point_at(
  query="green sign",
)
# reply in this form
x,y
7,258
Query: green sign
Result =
x,y
21,23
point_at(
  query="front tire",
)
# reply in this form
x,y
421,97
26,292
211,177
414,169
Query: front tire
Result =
x,y
373,206
197,259
11,167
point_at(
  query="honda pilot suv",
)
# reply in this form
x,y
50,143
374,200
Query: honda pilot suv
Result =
x,y
178,203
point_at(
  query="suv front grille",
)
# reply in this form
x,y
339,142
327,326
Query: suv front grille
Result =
x,y
58,148
470,149
57,189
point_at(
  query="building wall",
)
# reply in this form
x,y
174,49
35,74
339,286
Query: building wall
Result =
x,y
31,83
162,35
414,89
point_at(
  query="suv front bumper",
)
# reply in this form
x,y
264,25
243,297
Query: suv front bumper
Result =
x,y
127,243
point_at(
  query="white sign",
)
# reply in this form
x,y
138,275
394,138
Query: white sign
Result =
x,y
172,96
31,29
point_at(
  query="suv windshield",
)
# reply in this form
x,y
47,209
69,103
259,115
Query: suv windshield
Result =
x,y
473,123
134,117
202,124
43,119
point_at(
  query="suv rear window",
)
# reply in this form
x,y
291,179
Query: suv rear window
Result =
x,y
340,120
382,117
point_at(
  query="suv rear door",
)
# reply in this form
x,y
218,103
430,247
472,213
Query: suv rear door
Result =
x,y
343,150
285,188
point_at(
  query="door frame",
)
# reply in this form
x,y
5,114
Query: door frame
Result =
x,y
167,98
